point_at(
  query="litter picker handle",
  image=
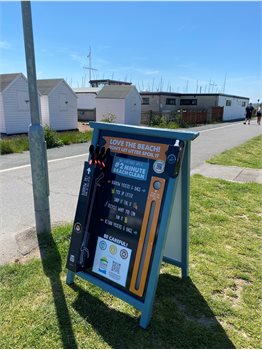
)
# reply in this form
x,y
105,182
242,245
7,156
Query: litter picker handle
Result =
x,y
98,159
84,254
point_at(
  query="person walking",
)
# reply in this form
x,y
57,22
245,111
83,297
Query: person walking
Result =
x,y
249,112
258,114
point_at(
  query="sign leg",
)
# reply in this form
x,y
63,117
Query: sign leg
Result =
x,y
185,272
185,211
145,317
70,277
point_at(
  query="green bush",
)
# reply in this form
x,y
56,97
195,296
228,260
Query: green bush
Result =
x,y
157,121
109,118
182,123
174,121
52,138
173,125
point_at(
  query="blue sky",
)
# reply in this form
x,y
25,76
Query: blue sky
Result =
x,y
177,46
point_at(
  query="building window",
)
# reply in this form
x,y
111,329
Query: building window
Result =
x,y
188,102
228,103
145,100
171,101
243,104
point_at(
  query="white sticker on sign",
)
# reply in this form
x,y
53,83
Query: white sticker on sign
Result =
x,y
112,261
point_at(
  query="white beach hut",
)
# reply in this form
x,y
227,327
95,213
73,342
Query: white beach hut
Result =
x,y
121,101
58,104
14,104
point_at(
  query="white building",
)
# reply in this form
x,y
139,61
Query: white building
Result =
x,y
58,104
229,107
14,104
86,102
234,106
121,101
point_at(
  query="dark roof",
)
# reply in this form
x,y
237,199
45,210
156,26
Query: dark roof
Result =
x,y
6,79
214,94
160,93
46,85
115,91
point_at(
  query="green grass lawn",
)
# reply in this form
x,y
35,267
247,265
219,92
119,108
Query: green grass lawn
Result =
x,y
19,144
219,306
248,155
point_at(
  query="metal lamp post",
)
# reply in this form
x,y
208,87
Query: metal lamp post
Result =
x,y
37,142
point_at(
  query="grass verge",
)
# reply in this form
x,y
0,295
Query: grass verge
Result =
x,y
247,155
69,137
14,144
19,144
218,307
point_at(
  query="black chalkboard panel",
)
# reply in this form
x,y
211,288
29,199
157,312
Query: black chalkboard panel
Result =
x,y
119,209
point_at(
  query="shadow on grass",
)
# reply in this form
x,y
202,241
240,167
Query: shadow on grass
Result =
x,y
52,266
181,319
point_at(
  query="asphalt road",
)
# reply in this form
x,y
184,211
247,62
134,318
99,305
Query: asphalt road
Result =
x,y
65,171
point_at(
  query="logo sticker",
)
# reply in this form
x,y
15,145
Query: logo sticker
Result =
x,y
102,245
171,159
103,265
159,166
124,254
113,249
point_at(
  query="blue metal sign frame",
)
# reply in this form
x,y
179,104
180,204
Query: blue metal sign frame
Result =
x,y
171,200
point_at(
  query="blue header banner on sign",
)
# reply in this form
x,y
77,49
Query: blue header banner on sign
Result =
x,y
130,168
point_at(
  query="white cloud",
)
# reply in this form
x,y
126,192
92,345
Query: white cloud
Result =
x,y
104,47
245,79
82,60
147,71
151,72
101,62
5,45
121,68
185,65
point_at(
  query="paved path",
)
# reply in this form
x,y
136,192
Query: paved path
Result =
x,y
65,171
214,139
230,173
